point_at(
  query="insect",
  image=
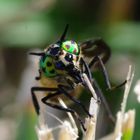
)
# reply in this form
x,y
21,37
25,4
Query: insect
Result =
x,y
60,72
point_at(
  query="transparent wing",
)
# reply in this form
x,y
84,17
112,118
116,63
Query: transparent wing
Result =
x,y
95,47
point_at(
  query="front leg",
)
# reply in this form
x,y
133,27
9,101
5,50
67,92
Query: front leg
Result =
x,y
85,68
50,95
102,66
63,88
34,98
59,107
104,71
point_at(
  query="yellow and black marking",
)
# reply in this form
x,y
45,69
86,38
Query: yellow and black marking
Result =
x,y
47,66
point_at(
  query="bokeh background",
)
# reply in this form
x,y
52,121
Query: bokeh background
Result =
x,y
27,25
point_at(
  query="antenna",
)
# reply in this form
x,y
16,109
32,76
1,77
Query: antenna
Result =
x,y
62,38
38,54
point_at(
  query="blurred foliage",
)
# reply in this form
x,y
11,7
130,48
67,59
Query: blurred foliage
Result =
x,y
26,129
26,24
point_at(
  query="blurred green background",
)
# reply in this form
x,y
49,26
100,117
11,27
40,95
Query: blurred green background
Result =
x,y
33,24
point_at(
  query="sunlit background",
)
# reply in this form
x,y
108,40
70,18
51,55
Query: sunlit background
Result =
x,y
27,25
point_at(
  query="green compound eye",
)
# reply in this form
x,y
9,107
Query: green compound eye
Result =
x,y
71,47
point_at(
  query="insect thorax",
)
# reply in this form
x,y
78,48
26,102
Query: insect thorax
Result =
x,y
47,66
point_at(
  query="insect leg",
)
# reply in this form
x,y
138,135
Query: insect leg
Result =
x,y
34,98
104,71
38,77
118,86
87,70
103,100
105,74
96,87
36,104
62,88
59,107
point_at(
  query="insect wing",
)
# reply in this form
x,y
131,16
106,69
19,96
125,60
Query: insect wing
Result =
x,y
95,47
